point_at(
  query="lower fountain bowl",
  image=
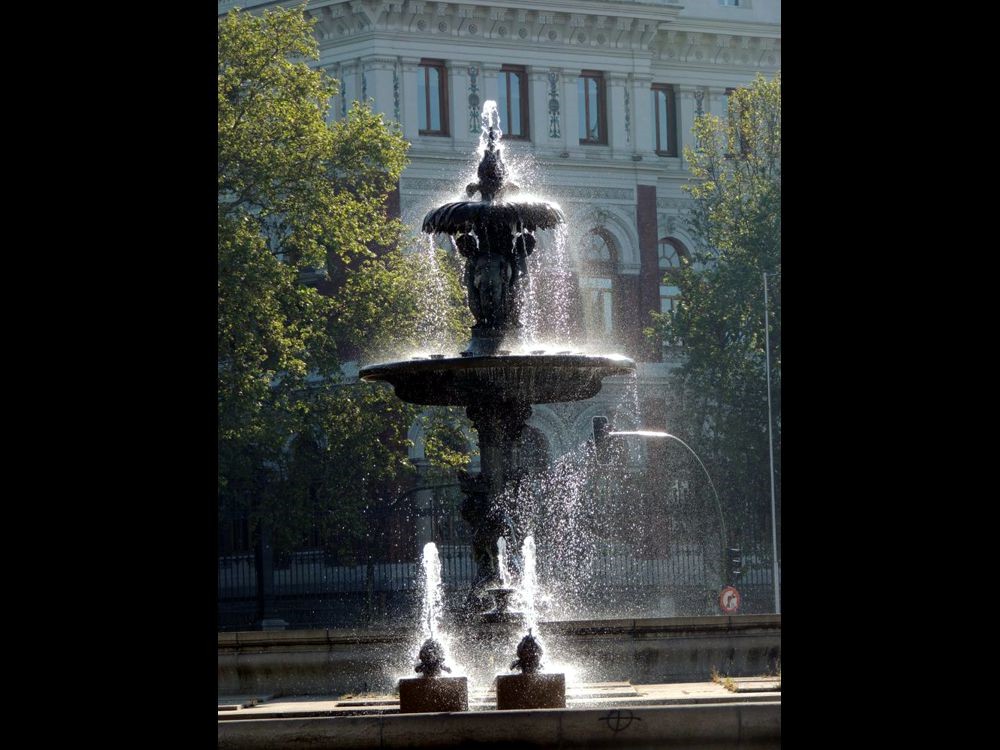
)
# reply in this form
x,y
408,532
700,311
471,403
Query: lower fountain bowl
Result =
x,y
528,378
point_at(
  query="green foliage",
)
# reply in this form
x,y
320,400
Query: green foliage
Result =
x,y
383,288
719,322
448,434
299,445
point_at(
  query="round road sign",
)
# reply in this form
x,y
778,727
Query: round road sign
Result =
x,y
729,599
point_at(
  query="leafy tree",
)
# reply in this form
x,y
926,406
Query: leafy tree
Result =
x,y
719,322
301,448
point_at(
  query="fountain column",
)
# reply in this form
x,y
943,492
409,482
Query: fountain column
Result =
x,y
488,511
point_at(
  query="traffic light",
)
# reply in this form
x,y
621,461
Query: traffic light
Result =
x,y
734,564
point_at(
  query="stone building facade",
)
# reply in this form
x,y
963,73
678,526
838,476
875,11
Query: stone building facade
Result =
x,y
598,98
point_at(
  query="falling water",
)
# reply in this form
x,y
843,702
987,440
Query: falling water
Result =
x,y
548,293
529,582
432,614
627,412
432,327
490,116
502,563
433,604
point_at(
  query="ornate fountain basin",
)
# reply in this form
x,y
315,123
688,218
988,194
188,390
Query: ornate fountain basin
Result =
x,y
527,378
462,216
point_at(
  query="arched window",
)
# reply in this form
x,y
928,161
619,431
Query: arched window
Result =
x,y
671,251
598,261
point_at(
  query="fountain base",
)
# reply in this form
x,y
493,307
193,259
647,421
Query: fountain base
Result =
x,y
524,691
418,695
501,614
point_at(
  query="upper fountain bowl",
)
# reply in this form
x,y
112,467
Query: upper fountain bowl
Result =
x,y
527,378
464,216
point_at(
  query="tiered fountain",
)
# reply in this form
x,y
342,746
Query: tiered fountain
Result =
x,y
495,235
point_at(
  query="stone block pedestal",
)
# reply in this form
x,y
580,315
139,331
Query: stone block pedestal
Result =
x,y
522,691
419,695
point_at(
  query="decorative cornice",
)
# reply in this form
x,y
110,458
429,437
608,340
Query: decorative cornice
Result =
x,y
590,193
590,23
379,62
556,192
675,203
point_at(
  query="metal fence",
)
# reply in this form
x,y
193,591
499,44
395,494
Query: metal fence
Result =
x,y
308,589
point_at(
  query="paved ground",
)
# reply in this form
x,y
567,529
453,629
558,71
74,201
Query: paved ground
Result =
x,y
587,695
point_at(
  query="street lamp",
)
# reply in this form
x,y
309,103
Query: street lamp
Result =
x,y
770,445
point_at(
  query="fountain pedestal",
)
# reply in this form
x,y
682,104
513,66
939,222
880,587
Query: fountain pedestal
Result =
x,y
428,694
531,688
521,691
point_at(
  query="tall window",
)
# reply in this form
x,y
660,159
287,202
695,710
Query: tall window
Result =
x,y
591,101
512,101
669,296
664,119
671,252
432,98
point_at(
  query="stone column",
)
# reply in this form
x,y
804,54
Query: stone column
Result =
x,y
350,73
473,101
687,111
488,81
618,115
489,84
408,97
378,74
334,111
458,104
643,137
716,101
571,110
538,114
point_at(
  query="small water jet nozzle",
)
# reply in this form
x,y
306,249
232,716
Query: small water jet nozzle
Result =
x,y
529,655
431,659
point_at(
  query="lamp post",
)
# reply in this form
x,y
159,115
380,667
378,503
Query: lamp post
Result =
x,y
770,448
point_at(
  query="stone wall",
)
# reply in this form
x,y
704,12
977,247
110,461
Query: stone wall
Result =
x,y
334,662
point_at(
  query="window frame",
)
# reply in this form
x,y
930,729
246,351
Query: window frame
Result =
x,y
671,96
426,65
602,108
680,250
523,99
670,275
